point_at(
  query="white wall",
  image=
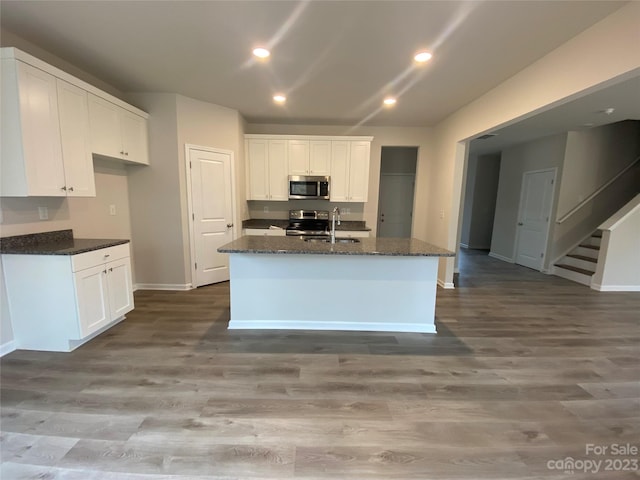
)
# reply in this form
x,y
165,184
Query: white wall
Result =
x,y
155,199
480,200
539,154
382,136
159,192
597,57
592,158
619,263
595,156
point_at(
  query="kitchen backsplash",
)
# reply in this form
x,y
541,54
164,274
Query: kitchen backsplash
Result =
x,y
280,210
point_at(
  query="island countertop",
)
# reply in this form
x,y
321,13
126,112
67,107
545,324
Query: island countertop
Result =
x,y
396,247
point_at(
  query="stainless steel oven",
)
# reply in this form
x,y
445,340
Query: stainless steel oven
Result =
x,y
308,223
311,188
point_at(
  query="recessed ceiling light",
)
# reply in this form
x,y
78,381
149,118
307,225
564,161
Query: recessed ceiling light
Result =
x,y
279,98
389,101
422,57
608,111
261,52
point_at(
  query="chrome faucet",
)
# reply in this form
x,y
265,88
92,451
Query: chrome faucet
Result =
x,y
334,214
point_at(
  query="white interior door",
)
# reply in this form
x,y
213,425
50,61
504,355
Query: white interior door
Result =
x,y
396,205
533,217
212,214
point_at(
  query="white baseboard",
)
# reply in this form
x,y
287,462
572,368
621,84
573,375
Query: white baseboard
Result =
x,y
162,286
500,257
312,325
616,288
7,347
446,285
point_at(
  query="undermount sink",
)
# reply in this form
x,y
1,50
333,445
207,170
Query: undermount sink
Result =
x,y
328,240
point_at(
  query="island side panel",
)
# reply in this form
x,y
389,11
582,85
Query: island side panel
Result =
x,y
333,292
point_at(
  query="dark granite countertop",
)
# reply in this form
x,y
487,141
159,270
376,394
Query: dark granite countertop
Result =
x,y
398,247
60,242
265,223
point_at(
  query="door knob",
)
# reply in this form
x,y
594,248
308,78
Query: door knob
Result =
x,y
520,224
229,225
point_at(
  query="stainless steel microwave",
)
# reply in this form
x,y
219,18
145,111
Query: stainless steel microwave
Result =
x,y
311,188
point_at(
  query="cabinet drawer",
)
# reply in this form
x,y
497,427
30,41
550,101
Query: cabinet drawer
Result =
x,y
97,257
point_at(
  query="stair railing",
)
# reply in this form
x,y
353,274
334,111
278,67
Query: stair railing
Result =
x,y
597,192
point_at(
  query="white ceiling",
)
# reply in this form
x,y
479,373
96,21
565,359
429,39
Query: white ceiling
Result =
x,y
335,60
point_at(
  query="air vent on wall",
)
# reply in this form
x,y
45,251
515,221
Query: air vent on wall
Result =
x,y
486,135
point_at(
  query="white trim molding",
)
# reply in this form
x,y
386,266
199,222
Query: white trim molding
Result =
x,y
446,285
163,286
329,325
501,257
8,347
615,288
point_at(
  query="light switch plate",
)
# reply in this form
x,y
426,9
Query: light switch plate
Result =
x,y
112,209
43,213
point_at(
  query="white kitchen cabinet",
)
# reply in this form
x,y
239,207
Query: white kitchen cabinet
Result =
x,y
267,162
266,232
116,132
58,302
349,170
31,145
298,151
73,112
309,157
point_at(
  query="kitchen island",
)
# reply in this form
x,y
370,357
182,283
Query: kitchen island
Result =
x,y
376,284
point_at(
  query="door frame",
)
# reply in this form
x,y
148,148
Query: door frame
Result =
x,y
554,170
192,241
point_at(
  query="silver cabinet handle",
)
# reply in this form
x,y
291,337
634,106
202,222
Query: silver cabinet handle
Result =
x,y
64,189
71,189
520,224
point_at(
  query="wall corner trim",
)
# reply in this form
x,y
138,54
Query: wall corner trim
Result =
x,y
7,347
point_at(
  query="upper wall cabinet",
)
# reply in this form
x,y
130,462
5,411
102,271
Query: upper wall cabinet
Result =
x,y
116,132
46,139
267,169
270,158
350,171
309,157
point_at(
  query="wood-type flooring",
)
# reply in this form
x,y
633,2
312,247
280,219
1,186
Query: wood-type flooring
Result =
x,y
530,377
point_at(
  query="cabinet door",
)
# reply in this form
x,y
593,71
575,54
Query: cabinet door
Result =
x,y
104,124
134,137
120,288
258,166
339,170
40,128
359,171
298,157
92,299
73,110
319,157
278,166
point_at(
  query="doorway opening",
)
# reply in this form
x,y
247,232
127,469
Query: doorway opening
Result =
x,y
397,185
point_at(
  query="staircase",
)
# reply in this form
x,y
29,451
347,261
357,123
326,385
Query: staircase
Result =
x,y
579,265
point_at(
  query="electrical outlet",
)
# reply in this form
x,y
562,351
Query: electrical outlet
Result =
x,y
441,213
112,209
266,209
43,213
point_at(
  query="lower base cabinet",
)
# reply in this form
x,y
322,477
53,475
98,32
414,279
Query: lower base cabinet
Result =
x,y
58,302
